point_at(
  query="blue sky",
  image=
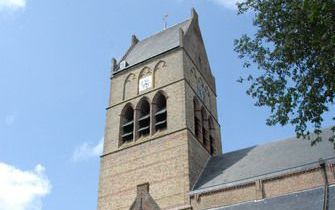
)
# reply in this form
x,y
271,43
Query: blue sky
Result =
x,y
54,68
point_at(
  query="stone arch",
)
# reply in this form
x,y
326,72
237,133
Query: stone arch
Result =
x,y
158,73
145,72
129,86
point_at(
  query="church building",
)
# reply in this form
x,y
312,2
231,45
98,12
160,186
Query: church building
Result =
x,y
162,145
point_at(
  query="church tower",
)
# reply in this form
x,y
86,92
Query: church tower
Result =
x,y
161,122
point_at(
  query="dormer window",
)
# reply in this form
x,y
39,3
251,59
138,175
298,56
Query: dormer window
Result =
x,y
123,64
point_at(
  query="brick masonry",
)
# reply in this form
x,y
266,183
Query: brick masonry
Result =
x,y
260,189
169,160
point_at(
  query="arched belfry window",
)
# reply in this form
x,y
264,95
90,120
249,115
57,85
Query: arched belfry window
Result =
x,y
159,111
197,122
127,123
143,117
211,135
204,130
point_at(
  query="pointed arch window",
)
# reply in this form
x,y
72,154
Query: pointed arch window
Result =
x,y
160,112
211,148
204,130
143,117
127,124
197,122
211,136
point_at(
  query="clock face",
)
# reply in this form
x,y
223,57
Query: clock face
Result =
x,y
145,83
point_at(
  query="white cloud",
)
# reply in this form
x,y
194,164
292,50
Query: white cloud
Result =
x,y
229,4
86,151
12,4
10,119
22,190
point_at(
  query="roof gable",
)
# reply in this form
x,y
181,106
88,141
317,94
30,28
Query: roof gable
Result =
x,y
154,45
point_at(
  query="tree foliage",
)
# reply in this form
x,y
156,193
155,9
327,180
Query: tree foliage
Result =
x,y
294,50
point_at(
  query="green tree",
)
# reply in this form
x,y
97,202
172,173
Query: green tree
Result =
x,y
294,50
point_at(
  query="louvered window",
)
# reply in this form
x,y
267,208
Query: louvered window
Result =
x,y
211,134
161,113
211,148
204,132
127,124
197,127
204,136
144,118
197,122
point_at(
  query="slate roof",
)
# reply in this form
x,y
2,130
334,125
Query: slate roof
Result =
x,y
305,200
264,161
155,44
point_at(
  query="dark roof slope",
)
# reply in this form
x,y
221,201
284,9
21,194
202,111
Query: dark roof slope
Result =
x,y
305,200
155,44
263,161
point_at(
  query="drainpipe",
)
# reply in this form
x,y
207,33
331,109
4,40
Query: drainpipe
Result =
x,y
325,188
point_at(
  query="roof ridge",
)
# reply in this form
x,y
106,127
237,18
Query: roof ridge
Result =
x,y
159,32
164,40
279,140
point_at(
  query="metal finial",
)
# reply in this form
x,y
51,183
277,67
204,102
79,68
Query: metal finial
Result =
x,y
164,20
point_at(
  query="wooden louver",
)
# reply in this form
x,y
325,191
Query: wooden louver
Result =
x,y
161,113
144,119
128,125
